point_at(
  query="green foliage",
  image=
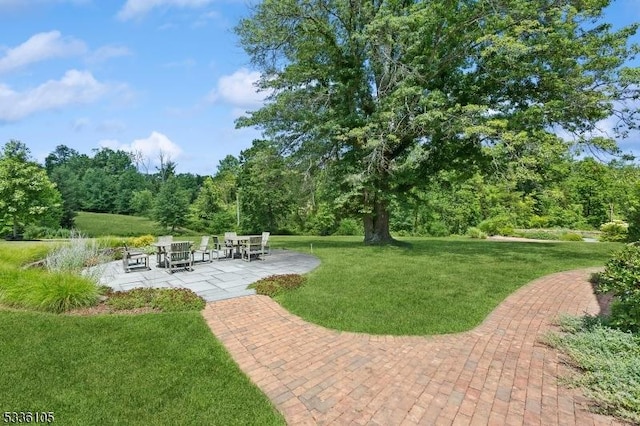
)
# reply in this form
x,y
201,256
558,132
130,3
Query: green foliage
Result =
x,y
26,193
621,277
171,205
570,236
322,222
142,241
497,225
162,299
349,226
476,233
32,232
385,123
142,202
609,363
615,231
51,292
40,289
275,284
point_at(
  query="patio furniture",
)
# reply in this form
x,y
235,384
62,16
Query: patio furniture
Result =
x,y
231,243
252,247
162,245
218,247
179,256
202,249
134,259
265,243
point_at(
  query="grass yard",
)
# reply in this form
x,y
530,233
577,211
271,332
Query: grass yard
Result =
x,y
145,369
103,224
117,369
429,286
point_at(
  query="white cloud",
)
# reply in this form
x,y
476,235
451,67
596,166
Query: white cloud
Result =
x,y
40,47
151,147
137,8
75,87
239,90
105,53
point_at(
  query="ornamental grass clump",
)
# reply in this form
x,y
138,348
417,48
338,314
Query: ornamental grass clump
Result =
x,y
70,280
82,256
273,285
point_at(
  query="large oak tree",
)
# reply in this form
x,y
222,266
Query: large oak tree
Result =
x,y
394,90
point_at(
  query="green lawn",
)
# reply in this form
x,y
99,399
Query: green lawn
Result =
x,y
103,224
146,369
429,286
170,369
118,369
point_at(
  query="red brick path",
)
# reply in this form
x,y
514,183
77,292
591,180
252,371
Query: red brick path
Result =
x,y
496,374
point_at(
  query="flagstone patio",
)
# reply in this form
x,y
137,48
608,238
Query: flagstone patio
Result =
x,y
217,280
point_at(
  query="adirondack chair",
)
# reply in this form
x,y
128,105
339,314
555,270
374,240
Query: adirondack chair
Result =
x,y
218,247
202,249
179,256
134,259
163,242
265,243
252,247
228,243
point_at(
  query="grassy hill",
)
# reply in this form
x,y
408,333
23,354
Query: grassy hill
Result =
x,y
103,224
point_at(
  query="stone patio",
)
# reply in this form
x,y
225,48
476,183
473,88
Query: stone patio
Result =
x,y
217,280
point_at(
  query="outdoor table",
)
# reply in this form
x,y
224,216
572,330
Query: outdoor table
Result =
x,y
238,240
162,248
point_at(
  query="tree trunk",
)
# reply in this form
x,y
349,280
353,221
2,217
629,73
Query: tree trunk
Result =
x,y
376,225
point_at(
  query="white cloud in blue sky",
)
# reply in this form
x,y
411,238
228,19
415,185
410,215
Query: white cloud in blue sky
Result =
x,y
40,47
137,8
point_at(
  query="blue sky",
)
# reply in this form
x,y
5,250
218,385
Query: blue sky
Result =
x,y
145,75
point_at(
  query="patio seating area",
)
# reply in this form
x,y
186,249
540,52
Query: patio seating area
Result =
x,y
212,280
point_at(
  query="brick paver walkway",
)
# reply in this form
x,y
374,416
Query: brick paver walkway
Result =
x,y
496,374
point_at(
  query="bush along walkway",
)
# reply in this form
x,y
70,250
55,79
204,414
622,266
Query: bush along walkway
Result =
x,y
498,373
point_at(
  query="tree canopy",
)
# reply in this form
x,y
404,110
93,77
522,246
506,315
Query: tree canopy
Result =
x,y
387,93
26,193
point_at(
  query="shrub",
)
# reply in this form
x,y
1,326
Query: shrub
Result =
x,y
349,226
621,277
476,233
177,299
614,231
608,360
497,225
274,284
163,299
570,236
438,229
142,241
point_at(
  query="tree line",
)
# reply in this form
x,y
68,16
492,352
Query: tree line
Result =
x,y
263,189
